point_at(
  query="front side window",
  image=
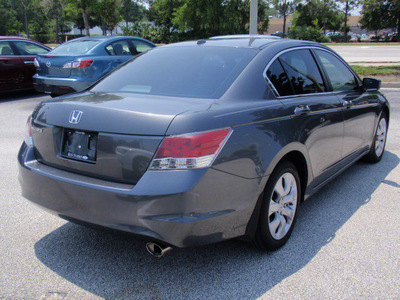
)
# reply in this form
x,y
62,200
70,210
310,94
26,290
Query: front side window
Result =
x,y
5,48
28,48
341,78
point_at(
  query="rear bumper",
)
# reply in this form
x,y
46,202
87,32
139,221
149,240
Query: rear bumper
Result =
x,y
59,86
180,208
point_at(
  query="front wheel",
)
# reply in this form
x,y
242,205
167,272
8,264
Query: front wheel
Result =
x,y
378,146
279,208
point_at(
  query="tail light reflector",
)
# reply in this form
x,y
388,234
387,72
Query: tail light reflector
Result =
x,y
36,63
190,151
28,132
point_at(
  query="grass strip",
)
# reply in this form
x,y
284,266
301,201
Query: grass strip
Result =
x,y
376,70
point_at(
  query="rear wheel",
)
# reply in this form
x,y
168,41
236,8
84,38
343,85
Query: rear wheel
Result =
x,y
279,208
378,146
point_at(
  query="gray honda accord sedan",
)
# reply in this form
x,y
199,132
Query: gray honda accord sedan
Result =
x,y
198,142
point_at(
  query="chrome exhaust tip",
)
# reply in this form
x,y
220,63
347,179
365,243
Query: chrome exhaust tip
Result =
x,y
157,250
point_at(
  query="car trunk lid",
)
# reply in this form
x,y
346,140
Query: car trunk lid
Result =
x,y
107,136
53,65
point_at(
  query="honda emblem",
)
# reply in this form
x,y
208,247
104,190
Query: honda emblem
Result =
x,y
75,116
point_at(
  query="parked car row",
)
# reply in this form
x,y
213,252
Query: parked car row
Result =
x,y
198,142
71,67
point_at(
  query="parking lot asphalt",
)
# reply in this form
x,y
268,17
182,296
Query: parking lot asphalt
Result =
x,y
345,245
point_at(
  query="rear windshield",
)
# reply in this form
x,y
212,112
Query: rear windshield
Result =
x,y
76,47
196,72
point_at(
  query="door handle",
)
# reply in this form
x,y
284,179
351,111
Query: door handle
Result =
x,y
302,109
28,62
347,103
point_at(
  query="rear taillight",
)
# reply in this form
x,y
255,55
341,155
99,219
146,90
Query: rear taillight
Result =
x,y
78,64
190,151
28,132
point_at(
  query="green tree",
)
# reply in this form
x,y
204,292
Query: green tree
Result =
x,y
162,11
132,11
325,13
54,9
85,7
380,14
394,16
9,23
110,14
204,18
285,8
348,6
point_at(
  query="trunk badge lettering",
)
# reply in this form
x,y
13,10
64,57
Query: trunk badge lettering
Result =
x,y
75,116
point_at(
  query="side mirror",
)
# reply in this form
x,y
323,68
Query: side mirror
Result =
x,y
371,84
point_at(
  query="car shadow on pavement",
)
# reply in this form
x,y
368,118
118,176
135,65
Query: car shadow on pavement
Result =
x,y
19,95
118,267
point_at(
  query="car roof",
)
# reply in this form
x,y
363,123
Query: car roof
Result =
x,y
243,36
242,41
2,37
102,39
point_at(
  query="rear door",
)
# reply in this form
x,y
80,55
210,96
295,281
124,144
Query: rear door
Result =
x,y
317,115
120,51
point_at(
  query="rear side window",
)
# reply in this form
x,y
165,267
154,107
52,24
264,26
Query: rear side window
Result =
x,y
296,72
279,79
302,71
341,78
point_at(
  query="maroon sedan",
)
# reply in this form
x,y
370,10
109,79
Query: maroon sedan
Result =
x,y
16,62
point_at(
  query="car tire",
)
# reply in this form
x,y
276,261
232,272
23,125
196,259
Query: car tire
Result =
x,y
378,146
279,208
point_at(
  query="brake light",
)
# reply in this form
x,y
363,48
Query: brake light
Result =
x,y
190,151
78,64
28,132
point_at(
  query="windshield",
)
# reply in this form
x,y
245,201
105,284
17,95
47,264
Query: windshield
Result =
x,y
195,72
79,46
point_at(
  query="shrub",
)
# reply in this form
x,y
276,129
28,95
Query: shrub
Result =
x,y
156,34
309,33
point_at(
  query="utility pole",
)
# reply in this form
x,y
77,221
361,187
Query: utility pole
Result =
x,y
253,16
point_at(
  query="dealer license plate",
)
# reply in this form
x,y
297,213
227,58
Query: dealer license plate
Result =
x,y
79,145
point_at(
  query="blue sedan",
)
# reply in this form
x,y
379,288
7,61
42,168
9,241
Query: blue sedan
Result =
x,y
77,64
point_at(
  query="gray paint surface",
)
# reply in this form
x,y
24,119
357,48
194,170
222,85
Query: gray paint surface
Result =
x,y
345,244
